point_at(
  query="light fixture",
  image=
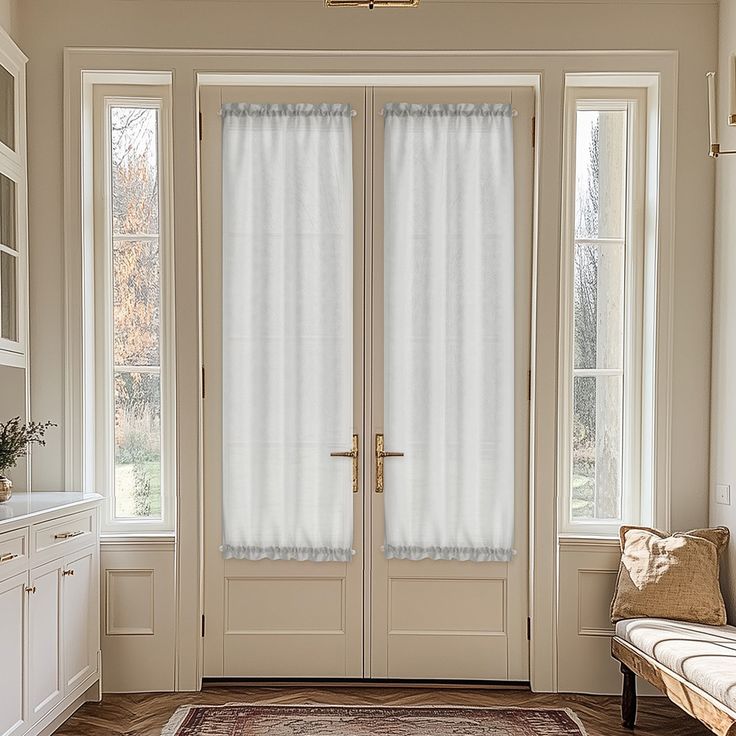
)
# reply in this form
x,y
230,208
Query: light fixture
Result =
x,y
714,150
370,4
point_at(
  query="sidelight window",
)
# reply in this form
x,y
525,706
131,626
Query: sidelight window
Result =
x,y
133,270
602,345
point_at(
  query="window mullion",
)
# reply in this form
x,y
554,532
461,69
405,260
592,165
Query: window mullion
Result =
x,y
134,237
153,369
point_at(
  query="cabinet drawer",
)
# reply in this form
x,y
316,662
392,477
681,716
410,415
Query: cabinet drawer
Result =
x,y
67,532
13,552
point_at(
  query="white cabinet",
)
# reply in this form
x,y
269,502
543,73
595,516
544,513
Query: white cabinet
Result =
x,y
49,618
45,686
79,596
12,646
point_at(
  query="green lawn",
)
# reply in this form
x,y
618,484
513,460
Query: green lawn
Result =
x,y
125,488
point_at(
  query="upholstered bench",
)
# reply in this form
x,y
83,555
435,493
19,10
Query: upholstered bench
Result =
x,y
692,664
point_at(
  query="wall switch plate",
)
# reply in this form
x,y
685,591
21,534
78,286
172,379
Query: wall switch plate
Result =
x,y
723,494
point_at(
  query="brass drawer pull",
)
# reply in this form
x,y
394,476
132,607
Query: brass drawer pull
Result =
x,y
353,453
380,454
68,535
8,556
64,573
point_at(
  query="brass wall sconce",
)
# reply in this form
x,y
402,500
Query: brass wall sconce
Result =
x,y
371,4
714,150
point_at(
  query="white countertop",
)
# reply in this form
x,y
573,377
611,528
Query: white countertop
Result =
x,y
25,508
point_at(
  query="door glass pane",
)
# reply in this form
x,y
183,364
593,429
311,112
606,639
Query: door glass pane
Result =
x,y
8,297
601,173
7,108
136,302
449,331
599,305
287,331
597,447
137,445
7,212
135,188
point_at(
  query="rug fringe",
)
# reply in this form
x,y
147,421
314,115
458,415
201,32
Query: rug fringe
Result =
x,y
576,718
172,725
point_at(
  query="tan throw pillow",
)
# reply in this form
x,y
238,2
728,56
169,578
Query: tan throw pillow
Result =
x,y
672,577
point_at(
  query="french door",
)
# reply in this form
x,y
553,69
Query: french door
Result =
x,y
367,616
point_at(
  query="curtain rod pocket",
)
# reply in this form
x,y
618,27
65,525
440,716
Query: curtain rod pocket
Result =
x,y
514,113
289,109
491,108
354,113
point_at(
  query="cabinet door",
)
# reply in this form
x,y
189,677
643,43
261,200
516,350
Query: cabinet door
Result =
x,y
44,639
12,650
79,617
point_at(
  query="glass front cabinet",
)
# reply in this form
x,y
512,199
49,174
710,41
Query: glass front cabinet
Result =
x,y
13,205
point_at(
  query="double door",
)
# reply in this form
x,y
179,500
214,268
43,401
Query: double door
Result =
x,y
383,612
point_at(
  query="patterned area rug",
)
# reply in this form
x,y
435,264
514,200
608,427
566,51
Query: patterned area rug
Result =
x,y
306,720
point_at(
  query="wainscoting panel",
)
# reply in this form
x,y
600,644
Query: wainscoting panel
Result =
x,y
122,587
588,569
595,587
138,616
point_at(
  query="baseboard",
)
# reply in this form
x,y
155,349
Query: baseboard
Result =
x,y
89,691
360,682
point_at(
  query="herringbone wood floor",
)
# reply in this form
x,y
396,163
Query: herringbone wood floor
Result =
x,y
145,714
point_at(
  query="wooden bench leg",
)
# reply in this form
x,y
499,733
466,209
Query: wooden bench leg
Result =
x,y
628,698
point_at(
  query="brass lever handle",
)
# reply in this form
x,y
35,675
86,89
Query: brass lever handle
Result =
x,y
354,454
31,590
380,454
8,556
67,572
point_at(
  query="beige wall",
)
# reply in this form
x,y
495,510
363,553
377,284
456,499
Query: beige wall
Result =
x,y
8,16
723,424
47,26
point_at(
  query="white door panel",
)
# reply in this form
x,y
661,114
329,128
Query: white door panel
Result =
x,y
277,618
435,637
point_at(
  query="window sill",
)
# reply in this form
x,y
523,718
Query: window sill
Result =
x,y
162,538
588,540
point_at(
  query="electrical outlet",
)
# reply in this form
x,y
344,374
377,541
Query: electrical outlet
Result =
x,y
723,494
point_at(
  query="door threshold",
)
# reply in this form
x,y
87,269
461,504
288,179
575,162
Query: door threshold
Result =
x,y
326,682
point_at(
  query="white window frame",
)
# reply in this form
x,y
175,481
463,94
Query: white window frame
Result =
x,y
13,166
104,98
636,501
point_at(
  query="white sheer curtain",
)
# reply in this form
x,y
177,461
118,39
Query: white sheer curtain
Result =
x,y
449,331
287,341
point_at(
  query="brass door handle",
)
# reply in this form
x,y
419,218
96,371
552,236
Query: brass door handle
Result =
x,y
8,556
354,454
31,590
67,572
380,454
